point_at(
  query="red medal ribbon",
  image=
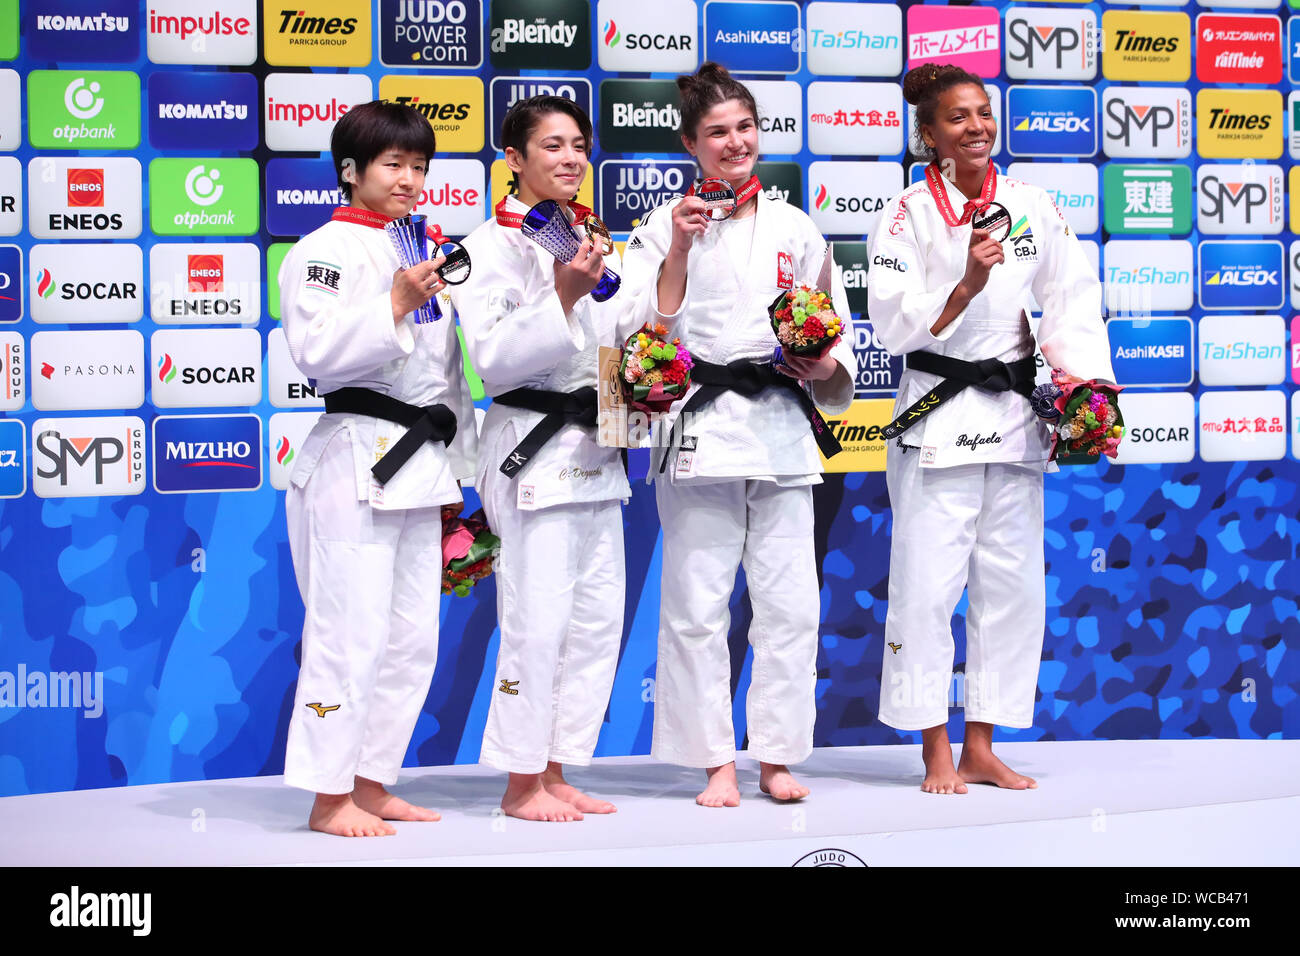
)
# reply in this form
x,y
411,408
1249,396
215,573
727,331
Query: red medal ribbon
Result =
x,y
513,220
745,193
377,220
934,179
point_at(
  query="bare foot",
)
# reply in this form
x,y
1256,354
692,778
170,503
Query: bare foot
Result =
x,y
776,781
337,814
371,796
555,784
527,799
940,774
981,766
723,790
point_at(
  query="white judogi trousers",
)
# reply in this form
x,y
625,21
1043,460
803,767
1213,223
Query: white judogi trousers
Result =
x,y
980,527
709,531
560,595
371,583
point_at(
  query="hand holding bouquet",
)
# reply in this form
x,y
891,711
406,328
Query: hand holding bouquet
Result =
x,y
468,548
654,371
805,322
1084,416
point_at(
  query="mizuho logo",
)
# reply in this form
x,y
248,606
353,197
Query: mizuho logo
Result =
x,y
82,100
201,186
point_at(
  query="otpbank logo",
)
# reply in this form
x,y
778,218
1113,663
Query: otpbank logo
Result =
x,y
209,197
968,37
301,195
198,453
64,30
91,109
316,33
645,37
210,32
753,37
431,33
1052,120
1240,275
218,110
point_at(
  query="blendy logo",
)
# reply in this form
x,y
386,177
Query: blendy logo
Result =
x,y
1147,121
63,30
11,283
1239,124
1151,351
1051,44
849,118
287,387
1242,425
1240,275
861,39
540,34
1241,349
438,33
851,266
13,458
629,189
1146,46
286,433
1244,198
453,105
218,110
964,36
11,194
13,372
639,116
84,198
647,37
782,182
211,32
1159,427
301,195
102,369
103,282
1052,121
87,457
505,91
317,33
860,432
453,195
195,368
205,283
753,37
780,115
1145,276
1238,49
301,109
201,453
846,198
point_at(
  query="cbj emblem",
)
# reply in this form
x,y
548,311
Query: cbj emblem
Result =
x,y
1022,241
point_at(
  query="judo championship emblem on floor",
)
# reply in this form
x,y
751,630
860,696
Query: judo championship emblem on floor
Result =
x,y
508,687
830,857
321,710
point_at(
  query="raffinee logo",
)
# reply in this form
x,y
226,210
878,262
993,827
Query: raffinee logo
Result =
x,y
77,690
75,908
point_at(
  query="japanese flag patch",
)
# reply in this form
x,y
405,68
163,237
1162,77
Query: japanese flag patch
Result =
x,y
322,276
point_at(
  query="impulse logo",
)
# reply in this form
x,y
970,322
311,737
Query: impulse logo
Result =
x,y
1052,120
201,453
203,31
302,108
1240,275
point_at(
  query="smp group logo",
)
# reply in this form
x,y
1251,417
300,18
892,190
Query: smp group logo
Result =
x,y
1146,46
205,283
1159,428
846,198
218,110
317,33
753,37
964,36
13,371
780,115
1238,49
11,283
78,370
540,34
454,196
437,33
629,189
505,91
102,282
13,458
302,108
1072,186
1151,352
10,110
210,32
286,386
860,39
639,116
1145,276
1242,425
647,37
1241,350
87,457
192,368
1147,199
855,119
1239,198
1052,121
11,196
91,109
63,30
198,453
84,197
1051,44
285,434
207,197
1239,124
1240,275
1153,122
453,105
301,195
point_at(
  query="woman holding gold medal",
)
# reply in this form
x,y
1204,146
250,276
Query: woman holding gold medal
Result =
x,y
734,463
957,262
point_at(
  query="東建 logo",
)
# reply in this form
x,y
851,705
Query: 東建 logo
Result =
x,y
1147,199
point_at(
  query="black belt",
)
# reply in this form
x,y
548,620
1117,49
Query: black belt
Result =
x,y
434,423
560,408
749,379
989,374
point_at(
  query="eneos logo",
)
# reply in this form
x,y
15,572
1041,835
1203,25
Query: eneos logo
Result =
x,y
205,283
70,198
317,33
639,36
453,105
1051,44
540,34
964,36
1146,46
85,187
1245,198
1147,121
103,282
753,37
95,109
1052,121
439,33
860,39
212,32
1238,49
506,91
198,453
203,197
629,189
1232,124
82,457
206,273
1240,275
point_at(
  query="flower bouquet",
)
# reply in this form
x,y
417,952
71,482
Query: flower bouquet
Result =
x,y
468,549
654,371
805,323
1084,416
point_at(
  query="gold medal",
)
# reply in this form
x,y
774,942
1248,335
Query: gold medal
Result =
x,y
598,232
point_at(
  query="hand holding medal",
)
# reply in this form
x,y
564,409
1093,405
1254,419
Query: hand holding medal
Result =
x,y
548,226
410,238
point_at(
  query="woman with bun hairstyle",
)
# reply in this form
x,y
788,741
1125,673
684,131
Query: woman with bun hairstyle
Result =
x,y
958,261
733,472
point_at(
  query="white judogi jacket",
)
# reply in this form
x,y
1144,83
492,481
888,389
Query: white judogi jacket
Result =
x,y
518,336
917,259
335,287
724,318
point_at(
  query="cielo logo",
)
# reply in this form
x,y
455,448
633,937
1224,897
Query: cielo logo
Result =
x,y
1146,46
1144,276
964,36
847,197
287,387
1242,425
1148,199
1052,121
639,116
1240,275
540,34
641,36
415,33
101,369
205,283
848,118
213,32
216,109
1051,44
1241,349
11,283
62,30
453,105
629,189
80,457
198,453
317,33
81,198
1238,49
453,195
102,282
753,37
505,91
1151,351
286,432
97,109
1245,124
1072,186
1158,427
301,194
1147,121
203,197
302,108
204,367
863,39
1239,198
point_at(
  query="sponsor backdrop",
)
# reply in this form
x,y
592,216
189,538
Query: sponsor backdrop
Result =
x,y
157,160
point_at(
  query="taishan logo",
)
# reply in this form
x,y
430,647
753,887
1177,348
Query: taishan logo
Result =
x,y
85,187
